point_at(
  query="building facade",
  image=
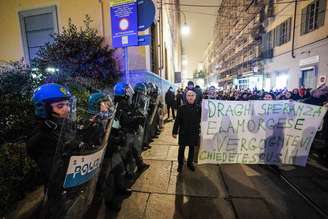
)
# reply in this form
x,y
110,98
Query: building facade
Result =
x,y
298,34
27,25
237,45
270,44
208,64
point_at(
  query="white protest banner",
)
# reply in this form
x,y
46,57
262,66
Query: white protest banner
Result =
x,y
258,132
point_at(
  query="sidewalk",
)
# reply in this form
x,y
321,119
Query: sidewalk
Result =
x,y
212,191
161,193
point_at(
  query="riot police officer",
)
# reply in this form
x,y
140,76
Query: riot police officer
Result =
x,y
129,120
52,140
113,180
52,106
154,107
141,103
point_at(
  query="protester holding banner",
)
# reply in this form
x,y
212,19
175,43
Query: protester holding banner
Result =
x,y
258,132
187,124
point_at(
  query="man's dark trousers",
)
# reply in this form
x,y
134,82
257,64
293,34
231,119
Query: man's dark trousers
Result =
x,y
168,111
190,155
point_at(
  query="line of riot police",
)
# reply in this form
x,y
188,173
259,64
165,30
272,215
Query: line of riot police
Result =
x,y
87,159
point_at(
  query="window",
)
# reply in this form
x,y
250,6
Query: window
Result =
x,y
282,33
36,27
309,79
281,81
313,16
270,38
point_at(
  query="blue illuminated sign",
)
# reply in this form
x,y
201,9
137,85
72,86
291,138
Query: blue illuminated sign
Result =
x,y
124,20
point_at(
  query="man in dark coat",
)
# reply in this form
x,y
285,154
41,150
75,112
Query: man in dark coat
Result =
x,y
187,124
170,102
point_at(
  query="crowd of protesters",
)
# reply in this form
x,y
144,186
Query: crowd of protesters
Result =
x,y
317,96
188,116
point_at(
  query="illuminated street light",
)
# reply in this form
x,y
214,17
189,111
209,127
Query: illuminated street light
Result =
x,y
185,29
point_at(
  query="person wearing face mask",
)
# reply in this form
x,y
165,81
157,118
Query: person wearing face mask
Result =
x,y
100,107
187,125
52,145
52,107
170,102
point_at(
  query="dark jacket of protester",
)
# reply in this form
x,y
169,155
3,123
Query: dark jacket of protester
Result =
x,y
315,101
179,99
187,124
199,95
170,98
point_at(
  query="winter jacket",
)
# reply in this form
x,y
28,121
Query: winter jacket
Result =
x,y
130,118
41,146
179,99
170,98
187,124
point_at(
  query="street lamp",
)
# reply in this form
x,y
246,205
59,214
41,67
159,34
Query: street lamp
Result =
x,y
185,30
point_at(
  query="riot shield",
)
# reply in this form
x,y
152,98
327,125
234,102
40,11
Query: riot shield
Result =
x,y
154,117
141,105
155,111
76,166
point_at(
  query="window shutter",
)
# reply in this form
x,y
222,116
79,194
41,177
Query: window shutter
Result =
x,y
303,20
289,25
277,35
274,37
322,12
270,39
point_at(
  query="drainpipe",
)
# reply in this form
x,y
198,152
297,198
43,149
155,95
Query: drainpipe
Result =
x,y
293,40
161,39
102,17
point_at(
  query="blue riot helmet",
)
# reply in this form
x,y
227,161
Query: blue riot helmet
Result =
x,y
123,90
95,100
140,88
49,93
120,89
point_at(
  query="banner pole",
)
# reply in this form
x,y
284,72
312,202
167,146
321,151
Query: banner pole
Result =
x,y
126,63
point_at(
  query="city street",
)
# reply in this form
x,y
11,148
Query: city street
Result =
x,y
220,191
87,89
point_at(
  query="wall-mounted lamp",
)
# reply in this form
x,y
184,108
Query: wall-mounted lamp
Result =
x,y
185,29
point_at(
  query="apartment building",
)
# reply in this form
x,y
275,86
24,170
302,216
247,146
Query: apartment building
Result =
x,y
237,45
297,32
